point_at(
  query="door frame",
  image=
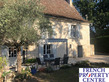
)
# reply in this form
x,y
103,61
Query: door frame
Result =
x,y
78,48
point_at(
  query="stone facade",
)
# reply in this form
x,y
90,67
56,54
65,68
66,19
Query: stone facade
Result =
x,y
61,30
70,46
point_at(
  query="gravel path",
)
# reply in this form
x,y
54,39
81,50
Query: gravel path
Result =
x,y
94,59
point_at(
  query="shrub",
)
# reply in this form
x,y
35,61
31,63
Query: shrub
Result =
x,y
3,62
65,67
83,64
49,70
100,64
25,74
5,74
31,61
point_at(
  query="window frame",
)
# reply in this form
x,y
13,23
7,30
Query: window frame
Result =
x,y
73,30
47,49
12,52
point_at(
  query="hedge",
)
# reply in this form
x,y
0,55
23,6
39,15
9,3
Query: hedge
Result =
x,y
31,60
101,44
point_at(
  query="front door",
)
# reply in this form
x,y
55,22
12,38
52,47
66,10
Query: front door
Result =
x,y
48,49
80,51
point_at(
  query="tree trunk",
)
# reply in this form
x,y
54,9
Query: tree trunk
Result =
x,y
19,61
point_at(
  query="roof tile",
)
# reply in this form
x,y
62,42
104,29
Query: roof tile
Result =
x,y
61,8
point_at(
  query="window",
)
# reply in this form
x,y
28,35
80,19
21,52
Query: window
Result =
x,y
73,30
12,52
47,49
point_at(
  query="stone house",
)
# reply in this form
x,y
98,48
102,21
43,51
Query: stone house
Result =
x,y
71,34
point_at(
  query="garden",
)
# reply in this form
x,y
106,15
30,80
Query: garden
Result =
x,y
66,73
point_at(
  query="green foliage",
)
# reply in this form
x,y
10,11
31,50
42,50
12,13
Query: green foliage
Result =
x,y
97,12
49,70
98,65
5,74
30,61
65,67
22,76
21,21
83,64
3,62
27,70
25,74
86,7
101,44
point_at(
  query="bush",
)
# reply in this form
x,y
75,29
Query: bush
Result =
x,y
3,62
83,64
49,70
65,67
100,64
25,74
31,61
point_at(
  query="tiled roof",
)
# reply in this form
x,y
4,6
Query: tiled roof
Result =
x,y
60,8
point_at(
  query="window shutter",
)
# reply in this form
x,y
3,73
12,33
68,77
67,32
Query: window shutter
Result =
x,y
55,50
69,30
53,35
78,30
5,52
41,51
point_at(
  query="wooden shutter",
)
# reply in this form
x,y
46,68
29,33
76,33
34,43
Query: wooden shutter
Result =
x,y
78,30
5,52
53,35
41,51
69,30
55,50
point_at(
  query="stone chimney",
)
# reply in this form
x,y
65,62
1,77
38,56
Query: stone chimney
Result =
x,y
70,2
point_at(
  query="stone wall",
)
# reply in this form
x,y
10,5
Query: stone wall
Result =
x,y
92,49
61,32
62,29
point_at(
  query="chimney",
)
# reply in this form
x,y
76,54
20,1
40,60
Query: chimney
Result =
x,y
70,2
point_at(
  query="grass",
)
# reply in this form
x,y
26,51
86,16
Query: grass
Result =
x,y
68,74
62,75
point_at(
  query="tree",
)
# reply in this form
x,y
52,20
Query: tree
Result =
x,y
21,24
97,12
86,7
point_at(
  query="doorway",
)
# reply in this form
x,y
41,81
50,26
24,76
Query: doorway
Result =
x,y
80,51
47,50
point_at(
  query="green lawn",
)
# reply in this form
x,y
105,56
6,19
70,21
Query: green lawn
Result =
x,y
69,74
62,75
